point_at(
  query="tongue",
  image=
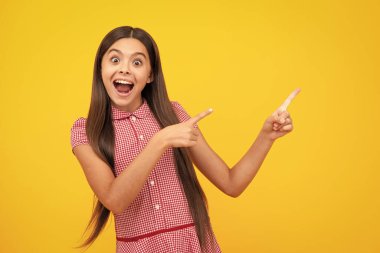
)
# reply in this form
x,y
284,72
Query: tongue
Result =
x,y
123,88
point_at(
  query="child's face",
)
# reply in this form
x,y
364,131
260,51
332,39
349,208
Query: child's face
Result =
x,y
126,70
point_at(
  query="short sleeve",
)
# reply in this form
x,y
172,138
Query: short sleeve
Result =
x,y
180,112
182,115
78,133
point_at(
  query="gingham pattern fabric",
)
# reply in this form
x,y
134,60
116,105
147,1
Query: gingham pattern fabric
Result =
x,y
159,219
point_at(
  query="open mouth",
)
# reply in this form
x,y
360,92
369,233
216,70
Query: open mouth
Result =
x,y
122,86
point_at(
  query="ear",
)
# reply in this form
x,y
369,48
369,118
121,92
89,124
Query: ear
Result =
x,y
150,78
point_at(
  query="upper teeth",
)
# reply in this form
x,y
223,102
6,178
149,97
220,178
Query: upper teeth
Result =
x,y
122,82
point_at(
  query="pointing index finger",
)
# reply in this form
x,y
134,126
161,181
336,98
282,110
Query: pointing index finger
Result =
x,y
288,100
200,116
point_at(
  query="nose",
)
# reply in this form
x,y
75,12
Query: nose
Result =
x,y
124,69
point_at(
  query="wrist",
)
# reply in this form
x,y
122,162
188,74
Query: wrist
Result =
x,y
158,141
265,138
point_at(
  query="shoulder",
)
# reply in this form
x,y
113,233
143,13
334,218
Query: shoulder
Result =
x,y
78,132
176,105
180,111
79,123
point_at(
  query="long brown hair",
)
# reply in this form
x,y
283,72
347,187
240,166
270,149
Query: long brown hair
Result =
x,y
101,135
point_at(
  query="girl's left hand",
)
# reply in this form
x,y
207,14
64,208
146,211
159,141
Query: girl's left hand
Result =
x,y
280,122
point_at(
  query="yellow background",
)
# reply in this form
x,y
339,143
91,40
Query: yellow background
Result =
x,y
317,191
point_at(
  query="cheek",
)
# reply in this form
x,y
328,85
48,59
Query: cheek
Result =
x,y
144,75
106,73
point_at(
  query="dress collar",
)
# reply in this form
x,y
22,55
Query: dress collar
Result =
x,y
140,113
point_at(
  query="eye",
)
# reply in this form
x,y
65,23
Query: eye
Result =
x,y
115,59
137,62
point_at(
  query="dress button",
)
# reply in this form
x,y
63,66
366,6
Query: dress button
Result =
x,y
133,118
157,206
152,183
141,137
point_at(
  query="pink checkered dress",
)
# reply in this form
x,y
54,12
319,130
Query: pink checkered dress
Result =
x,y
159,219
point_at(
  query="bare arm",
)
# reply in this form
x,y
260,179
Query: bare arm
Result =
x,y
231,181
235,180
116,194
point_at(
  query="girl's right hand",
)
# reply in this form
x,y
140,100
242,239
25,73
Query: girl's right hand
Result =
x,y
183,134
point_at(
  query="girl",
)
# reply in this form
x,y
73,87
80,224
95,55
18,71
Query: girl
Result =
x,y
137,151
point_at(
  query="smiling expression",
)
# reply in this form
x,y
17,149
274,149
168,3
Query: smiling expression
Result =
x,y
126,70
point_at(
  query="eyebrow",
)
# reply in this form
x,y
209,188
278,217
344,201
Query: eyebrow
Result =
x,y
118,51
